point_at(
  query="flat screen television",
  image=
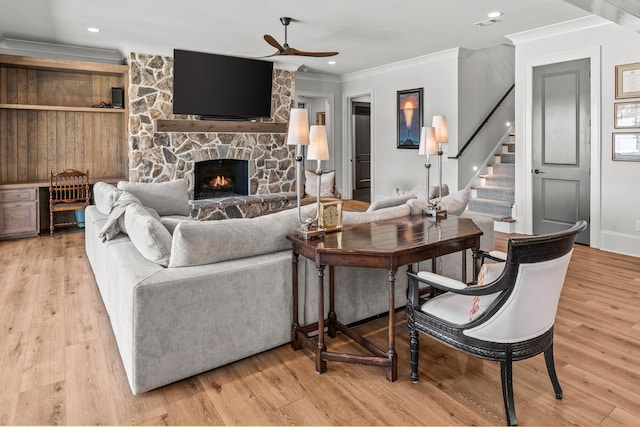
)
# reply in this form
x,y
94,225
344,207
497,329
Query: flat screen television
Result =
x,y
221,87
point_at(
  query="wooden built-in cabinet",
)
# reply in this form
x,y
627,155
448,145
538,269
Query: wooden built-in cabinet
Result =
x,y
48,120
19,212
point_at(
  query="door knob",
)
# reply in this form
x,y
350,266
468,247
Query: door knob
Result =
x,y
537,171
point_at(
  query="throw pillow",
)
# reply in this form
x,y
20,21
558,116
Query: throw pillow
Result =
x,y
148,235
167,198
420,191
326,184
105,196
488,274
455,203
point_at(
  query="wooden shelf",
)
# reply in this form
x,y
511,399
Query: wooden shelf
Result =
x,y
61,108
219,126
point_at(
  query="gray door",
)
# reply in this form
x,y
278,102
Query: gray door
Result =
x,y
361,112
561,146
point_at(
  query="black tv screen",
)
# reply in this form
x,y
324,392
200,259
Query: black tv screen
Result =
x,y
221,87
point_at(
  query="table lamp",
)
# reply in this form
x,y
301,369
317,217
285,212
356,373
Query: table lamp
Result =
x,y
298,135
427,148
319,151
439,125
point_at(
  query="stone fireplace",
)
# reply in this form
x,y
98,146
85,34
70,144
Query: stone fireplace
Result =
x,y
163,156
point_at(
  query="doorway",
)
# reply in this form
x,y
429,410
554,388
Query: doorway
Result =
x,y
361,115
561,144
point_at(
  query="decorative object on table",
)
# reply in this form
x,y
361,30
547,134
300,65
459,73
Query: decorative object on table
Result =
x,y
626,146
507,315
409,113
627,115
298,135
439,125
285,49
330,216
628,81
428,147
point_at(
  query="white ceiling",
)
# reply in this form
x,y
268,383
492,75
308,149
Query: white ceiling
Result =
x,y
367,33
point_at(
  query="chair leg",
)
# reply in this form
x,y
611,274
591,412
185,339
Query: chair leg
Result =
x,y
551,369
50,221
506,374
414,343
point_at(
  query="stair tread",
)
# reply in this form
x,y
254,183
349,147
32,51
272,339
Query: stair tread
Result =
x,y
493,187
491,201
494,216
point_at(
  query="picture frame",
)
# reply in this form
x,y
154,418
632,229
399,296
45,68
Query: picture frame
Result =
x,y
626,115
626,146
409,118
628,80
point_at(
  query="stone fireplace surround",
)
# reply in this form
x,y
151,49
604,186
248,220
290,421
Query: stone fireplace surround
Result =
x,y
164,156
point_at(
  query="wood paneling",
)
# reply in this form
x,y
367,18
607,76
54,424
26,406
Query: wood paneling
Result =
x,y
47,121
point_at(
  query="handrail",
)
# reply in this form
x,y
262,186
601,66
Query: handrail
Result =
x,y
484,122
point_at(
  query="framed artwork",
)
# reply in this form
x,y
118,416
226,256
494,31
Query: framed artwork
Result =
x,y
321,118
626,146
409,112
627,115
628,80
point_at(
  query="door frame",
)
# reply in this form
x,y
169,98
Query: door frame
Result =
x,y
524,178
348,166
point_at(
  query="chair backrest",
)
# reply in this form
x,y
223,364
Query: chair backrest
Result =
x,y
69,186
534,273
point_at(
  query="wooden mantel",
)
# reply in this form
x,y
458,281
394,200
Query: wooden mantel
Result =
x,y
165,125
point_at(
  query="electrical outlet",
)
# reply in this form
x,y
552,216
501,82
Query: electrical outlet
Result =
x,y
637,224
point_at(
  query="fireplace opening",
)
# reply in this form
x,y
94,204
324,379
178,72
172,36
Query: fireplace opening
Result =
x,y
221,178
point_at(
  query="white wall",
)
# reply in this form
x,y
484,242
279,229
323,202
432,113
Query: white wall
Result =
x,y
615,190
393,167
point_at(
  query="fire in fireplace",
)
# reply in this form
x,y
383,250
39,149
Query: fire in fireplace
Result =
x,y
221,178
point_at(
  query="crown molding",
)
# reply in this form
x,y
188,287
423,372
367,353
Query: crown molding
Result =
x,y
566,27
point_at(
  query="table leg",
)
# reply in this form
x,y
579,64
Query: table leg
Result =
x,y
295,343
464,266
392,371
332,303
321,365
476,271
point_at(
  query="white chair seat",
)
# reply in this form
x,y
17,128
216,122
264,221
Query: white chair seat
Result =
x,y
457,309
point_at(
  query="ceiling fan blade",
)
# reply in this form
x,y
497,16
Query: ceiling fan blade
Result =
x,y
293,51
273,42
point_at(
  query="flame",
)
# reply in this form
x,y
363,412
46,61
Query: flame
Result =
x,y
219,181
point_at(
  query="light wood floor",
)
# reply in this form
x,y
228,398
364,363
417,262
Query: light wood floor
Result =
x,y
59,363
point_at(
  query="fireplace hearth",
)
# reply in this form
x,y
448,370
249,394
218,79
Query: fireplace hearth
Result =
x,y
221,178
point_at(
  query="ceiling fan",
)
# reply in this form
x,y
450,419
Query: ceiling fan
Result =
x,y
285,49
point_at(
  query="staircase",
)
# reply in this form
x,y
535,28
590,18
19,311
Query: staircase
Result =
x,y
495,196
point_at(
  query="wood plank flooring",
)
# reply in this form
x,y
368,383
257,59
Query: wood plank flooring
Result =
x,y
59,364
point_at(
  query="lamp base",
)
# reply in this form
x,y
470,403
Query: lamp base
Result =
x,y
435,212
309,233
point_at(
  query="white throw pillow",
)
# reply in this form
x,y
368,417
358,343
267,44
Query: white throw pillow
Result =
x,y
167,198
326,184
148,235
389,202
105,195
455,203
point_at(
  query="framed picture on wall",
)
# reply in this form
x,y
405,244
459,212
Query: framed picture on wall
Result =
x,y
627,115
626,146
409,118
628,80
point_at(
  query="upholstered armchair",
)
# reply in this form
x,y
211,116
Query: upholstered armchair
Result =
x,y
506,315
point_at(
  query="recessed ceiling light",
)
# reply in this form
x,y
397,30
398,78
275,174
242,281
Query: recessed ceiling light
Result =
x,y
332,62
494,14
93,29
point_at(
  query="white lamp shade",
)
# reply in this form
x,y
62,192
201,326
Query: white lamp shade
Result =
x,y
298,133
319,148
428,144
440,125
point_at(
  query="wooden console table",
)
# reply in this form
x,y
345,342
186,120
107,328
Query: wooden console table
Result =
x,y
386,244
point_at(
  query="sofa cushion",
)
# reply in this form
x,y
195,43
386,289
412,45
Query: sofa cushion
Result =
x,y
105,195
147,234
207,242
390,202
351,218
454,203
420,191
167,198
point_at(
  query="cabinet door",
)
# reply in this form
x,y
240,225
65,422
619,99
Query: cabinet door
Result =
x,y
18,218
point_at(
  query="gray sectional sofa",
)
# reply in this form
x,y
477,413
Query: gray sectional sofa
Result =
x,y
188,296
